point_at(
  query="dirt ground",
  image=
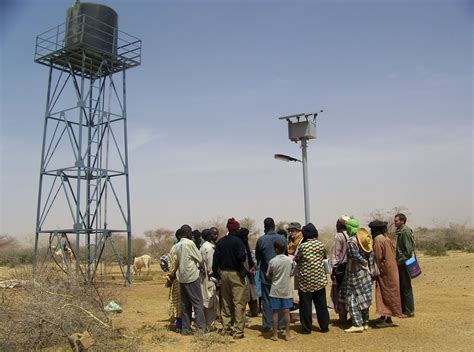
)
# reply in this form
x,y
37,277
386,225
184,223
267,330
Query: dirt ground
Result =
x,y
444,304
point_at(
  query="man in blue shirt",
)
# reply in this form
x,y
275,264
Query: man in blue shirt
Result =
x,y
264,252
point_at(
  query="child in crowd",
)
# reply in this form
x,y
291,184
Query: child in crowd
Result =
x,y
280,269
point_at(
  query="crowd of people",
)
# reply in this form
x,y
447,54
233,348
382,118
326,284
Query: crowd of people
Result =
x,y
213,280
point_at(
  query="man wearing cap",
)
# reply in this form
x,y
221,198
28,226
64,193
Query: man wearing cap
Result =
x,y
387,289
264,252
405,246
295,237
356,290
228,265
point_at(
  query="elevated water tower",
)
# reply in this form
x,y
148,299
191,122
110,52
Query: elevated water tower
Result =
x,y
84,196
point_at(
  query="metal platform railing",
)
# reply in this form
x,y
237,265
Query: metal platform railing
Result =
x,y
64,44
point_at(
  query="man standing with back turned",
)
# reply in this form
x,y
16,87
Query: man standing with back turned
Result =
x,y
228,266
405,246
264,252
189,262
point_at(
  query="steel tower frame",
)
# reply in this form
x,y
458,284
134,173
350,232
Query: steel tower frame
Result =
x,y
84,156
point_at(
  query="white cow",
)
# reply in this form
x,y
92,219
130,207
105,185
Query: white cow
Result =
x,y
141,262
67,252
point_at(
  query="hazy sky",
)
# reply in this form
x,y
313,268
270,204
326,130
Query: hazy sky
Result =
x,y
394,78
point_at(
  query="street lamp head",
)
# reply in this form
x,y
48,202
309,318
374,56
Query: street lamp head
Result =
x,y
301,126
286,158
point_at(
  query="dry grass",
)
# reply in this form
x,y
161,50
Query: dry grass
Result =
x,y
50,307
162,337
211,339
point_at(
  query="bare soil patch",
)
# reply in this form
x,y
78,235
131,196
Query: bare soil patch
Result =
x,y
444,304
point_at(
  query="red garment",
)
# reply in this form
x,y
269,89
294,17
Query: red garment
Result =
x,y
387,290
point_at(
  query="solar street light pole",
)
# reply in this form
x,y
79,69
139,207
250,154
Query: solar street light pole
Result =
x,y
301,127
304,144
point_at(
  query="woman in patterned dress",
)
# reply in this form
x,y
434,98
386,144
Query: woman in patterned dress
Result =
x,y
174,300
339,264
356,290
312,280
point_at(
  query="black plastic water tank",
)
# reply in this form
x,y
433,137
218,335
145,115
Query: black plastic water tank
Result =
x,y
93,26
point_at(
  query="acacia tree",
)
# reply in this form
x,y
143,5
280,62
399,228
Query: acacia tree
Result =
x,y
218,222
159,240
282,225
251,225
138,248
254,231
388,216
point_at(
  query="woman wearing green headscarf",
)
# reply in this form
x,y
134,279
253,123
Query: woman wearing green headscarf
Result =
x,y
356,289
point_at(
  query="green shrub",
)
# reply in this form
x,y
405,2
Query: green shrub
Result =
x,y
456,237
454,244
435,250
469,248
453,237
14,255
